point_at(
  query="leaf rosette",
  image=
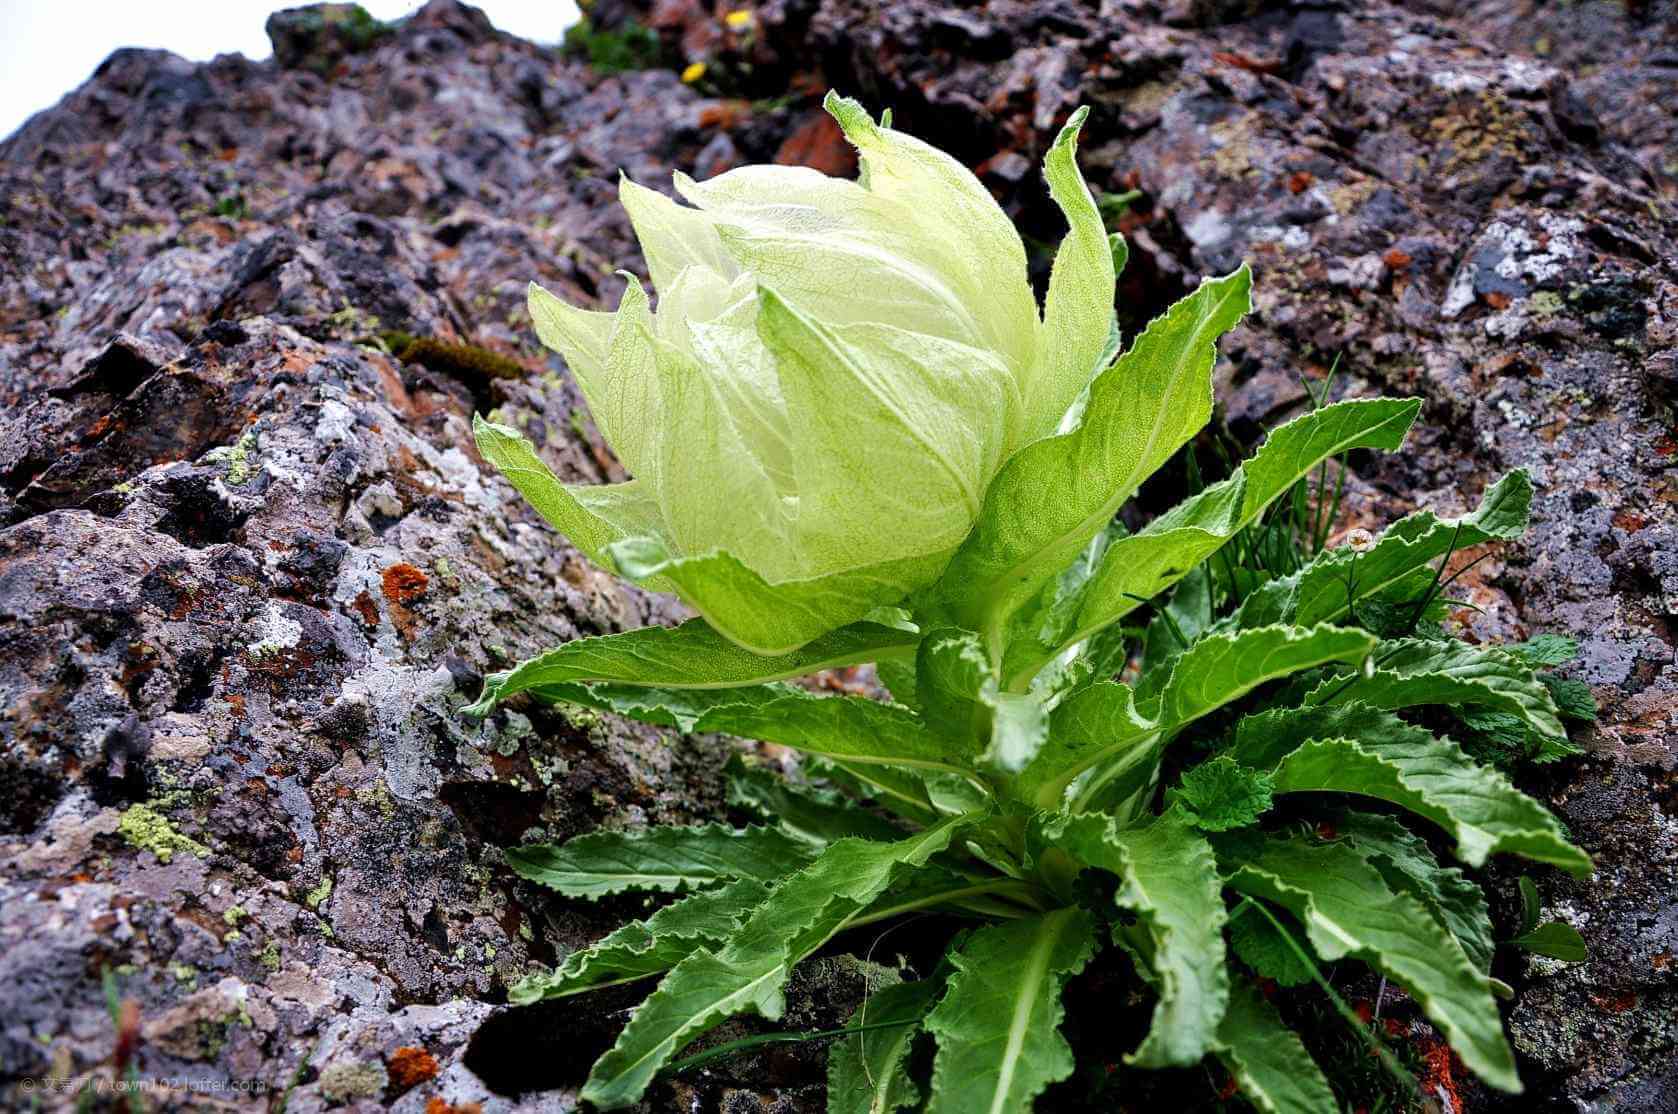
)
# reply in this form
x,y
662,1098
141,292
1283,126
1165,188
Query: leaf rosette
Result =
x,y
854,438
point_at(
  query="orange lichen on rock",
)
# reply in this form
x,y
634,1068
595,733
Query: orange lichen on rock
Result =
x,y
435,1105
403,583
409,1067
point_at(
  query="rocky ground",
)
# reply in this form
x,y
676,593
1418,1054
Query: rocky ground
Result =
x,y
251,565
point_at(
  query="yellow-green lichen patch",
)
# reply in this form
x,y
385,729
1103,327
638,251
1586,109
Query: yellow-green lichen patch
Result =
x,y
320,893
583,719
146,829
377,796
354,322
237,457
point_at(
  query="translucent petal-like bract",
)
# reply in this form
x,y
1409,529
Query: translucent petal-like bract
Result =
x,y
835,371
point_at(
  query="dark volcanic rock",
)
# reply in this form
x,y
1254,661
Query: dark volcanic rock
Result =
x,y
252,566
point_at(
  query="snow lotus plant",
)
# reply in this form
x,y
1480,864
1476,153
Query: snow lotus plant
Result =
x,y
853,438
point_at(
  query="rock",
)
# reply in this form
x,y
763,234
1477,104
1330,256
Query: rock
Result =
x,y
251,566
319,36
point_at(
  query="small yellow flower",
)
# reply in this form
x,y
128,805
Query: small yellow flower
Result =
x,y
693,73
738,21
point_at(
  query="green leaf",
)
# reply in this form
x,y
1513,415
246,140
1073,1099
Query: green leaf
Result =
x,y
868,1072
936,887
643,948
750,972
852,729
1056,494
818,815
1413,672
1573,698
678,708
1169,879
592,518
899,791
1408,865
1353,748
960,698
1508,736
673,238
719,443
1349,910
899,678
1220,668
1019,727
1556,940
662,858
1268,1061
1546,649
1100,723
1078,317
1100,728
1219,794
1318,593
691,656
951,674
611,357
913,210
771,618
998,1023
1261,947
1529,904
1139,567
1057,605
895,432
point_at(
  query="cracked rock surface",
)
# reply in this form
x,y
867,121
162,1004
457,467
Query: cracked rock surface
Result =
x,y
251,565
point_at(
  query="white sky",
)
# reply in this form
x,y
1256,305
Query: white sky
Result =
x,y
48,47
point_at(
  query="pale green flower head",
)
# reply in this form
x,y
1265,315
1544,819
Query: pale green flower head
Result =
x,y
836,371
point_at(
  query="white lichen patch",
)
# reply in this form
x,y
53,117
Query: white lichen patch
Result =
x,y
1512,253
1209,229
1293,237
402,701
1527,76
336,424
278,633
1455,81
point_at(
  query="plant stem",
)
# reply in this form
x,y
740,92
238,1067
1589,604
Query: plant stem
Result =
x,y
1023,892
1427,596
1349,1015
1162,610
1334,506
